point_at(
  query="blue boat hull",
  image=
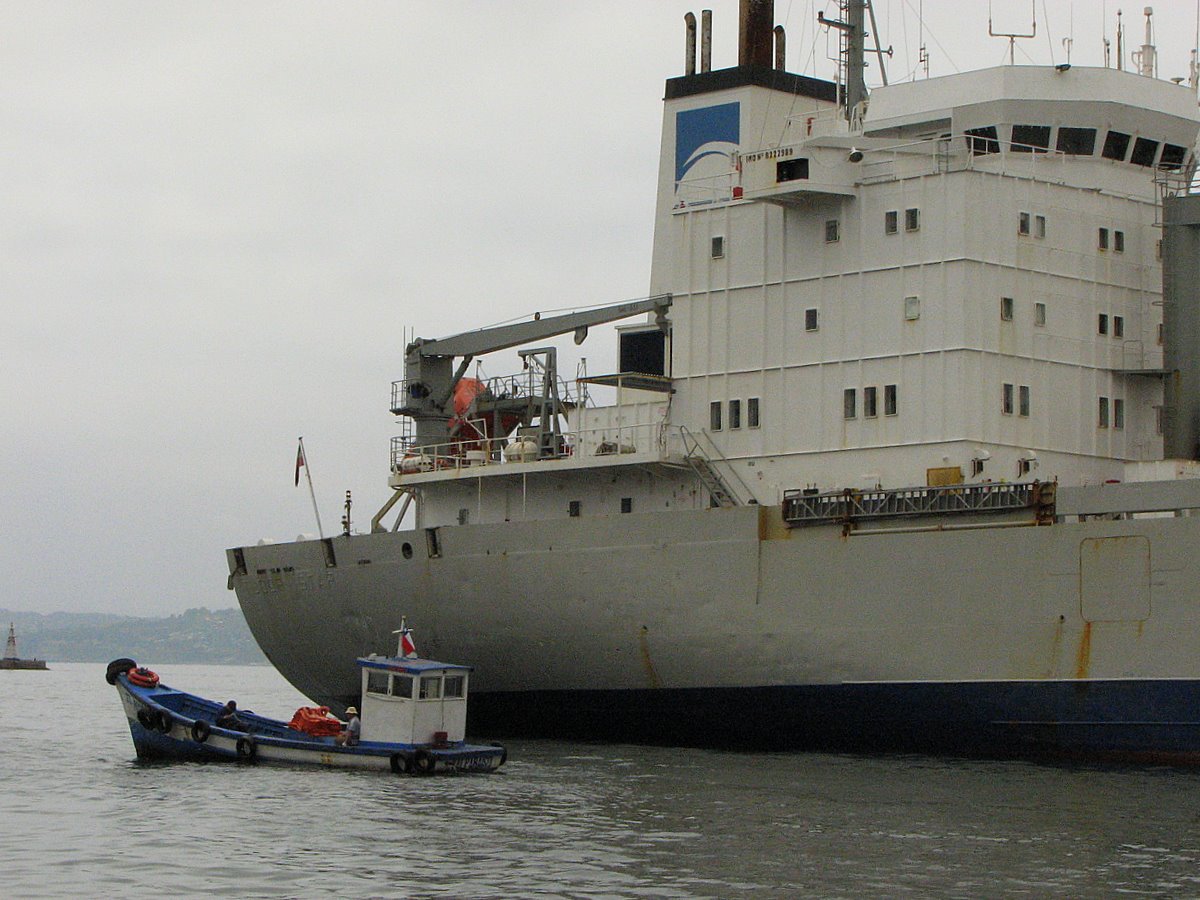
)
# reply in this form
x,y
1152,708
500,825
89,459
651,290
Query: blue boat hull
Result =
x,y
1134,720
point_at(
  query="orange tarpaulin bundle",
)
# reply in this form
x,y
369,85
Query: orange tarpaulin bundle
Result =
x,y
315,720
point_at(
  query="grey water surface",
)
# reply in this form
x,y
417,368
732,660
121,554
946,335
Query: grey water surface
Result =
x,y
79,816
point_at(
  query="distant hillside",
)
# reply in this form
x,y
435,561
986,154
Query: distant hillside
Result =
x,y
196,636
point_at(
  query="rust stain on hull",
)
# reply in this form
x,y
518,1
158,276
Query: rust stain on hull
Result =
x,y
643,644
1083,659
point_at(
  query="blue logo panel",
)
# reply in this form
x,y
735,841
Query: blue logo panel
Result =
x,y
713,130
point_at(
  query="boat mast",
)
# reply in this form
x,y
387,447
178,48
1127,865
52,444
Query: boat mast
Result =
x,y
852,51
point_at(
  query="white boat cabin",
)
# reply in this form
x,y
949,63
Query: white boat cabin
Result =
x,y
413,701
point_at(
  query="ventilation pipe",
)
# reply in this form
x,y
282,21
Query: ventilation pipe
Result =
x,y
689,53
780,48
706,40
756,33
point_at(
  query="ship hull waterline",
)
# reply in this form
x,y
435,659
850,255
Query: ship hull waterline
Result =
x,y
723,628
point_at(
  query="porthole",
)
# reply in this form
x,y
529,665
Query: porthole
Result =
x,y
406,549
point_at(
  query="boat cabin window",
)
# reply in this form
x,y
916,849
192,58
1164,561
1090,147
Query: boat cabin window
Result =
x,y
718,247
1006,309
455,686
714,415
791,170
810,320
1023,223
1076,141
870,402
849,403
402,686
752,412
1144,151
912,219
1030,138
1116,146
983,140
735,414
377,682
831,231
891,221
431,687
890,405
1173,157
643,351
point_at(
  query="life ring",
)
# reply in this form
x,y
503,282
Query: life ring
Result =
x,y
117,668
163,721
200,731
143,678
423,762
146,717
247,749
401,764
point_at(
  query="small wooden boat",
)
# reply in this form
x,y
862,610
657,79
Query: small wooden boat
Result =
x,y
413,719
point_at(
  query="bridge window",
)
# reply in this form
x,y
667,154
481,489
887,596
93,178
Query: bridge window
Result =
x,y
1116,145
1076,141
791,170
431,687
1030,138
1173,157
981,141
377,682
1144,151
454,685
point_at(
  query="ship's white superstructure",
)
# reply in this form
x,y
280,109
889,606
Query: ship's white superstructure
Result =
x,y
954,284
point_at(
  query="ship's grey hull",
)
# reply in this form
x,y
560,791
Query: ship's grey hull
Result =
x,y
723,627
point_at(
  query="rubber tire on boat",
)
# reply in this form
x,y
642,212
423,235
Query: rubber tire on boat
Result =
x,y
147,718
247,749
164,721
423,762
200,731
401,764
118,667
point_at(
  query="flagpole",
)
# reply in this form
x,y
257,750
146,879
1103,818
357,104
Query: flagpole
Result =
x,y
311,492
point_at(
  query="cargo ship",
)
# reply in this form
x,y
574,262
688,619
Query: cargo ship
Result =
x,y
901,452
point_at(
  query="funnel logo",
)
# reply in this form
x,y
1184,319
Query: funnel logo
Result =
x,y
705,140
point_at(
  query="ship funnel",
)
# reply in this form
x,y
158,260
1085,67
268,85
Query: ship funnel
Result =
x,y
756,33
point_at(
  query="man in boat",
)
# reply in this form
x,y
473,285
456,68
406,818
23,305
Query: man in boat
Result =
x,y
349,736
227,717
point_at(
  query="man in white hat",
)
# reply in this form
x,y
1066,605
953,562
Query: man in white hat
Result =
x,y
349,735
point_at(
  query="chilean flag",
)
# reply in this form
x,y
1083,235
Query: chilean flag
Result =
x,y
300,461
407,647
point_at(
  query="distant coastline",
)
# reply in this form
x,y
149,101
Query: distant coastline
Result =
x,y
216,636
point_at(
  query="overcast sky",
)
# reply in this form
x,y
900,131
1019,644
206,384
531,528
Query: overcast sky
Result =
x,y
220,219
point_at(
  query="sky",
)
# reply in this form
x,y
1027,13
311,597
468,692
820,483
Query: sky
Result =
x,y
223,220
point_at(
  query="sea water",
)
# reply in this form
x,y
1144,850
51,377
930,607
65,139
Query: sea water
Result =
x,y
79,816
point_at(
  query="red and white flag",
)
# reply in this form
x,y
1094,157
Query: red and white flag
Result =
x,y
300,461
407,647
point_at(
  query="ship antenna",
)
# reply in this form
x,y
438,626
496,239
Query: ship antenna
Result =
x,y
852,50
879,51
1012,36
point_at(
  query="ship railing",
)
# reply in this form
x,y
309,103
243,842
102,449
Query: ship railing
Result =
x,y
807,507
473,448
527,384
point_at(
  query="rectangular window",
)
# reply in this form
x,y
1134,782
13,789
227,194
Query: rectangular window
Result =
x,y
810,320
1118,326
1039,314
831,231
454,686
1102,239
1039,226
982,141
1023,394
1030,138
714,415
1006,399
1144,151
1102,323
849,403
870,409
791,170
377,682
735,414
1118,413
1102,418
890,222
718,247
1006,309
1118,242
1023,220
402,686
889,399
1173,157
1116,145
626,504
573,509
431,687
912,219
912,309
1076,141
752,412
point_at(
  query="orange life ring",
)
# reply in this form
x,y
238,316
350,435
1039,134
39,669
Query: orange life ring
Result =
x,y
142,678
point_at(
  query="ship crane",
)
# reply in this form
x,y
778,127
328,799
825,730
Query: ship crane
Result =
x,y
430,379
